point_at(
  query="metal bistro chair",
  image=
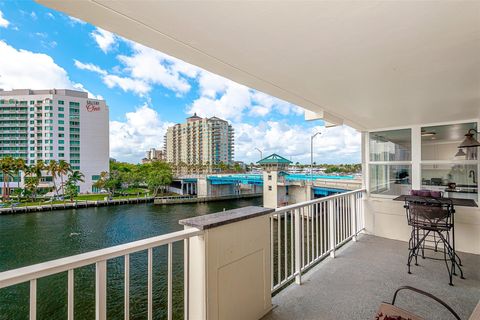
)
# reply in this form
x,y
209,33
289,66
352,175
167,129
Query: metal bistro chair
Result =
x,y
389,311
432,217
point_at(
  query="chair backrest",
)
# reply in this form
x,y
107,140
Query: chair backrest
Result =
x,y
387,311
429,212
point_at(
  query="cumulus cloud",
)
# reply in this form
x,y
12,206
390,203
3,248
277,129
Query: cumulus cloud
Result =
x,y
89,67
141,130
145,68
104,39
335,145
232,101
75,21
157,68
26,69
126,84
137,86
3,22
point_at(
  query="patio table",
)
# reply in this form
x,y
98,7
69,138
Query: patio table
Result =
x,y
455,201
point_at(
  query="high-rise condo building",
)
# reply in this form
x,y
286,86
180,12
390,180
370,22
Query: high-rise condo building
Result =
x,y
206,141
57,124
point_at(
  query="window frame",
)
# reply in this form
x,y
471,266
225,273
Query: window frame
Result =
x,y
416,161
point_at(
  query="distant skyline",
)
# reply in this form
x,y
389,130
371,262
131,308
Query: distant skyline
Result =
x,y
147,91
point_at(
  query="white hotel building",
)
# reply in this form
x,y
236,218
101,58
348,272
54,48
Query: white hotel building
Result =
x,y
56,124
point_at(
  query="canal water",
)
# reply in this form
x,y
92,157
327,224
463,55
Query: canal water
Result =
x,y
31,238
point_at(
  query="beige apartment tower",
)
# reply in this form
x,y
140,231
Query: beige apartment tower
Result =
x,y
207,141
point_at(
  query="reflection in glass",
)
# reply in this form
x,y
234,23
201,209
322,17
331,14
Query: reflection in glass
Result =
x,y
463,175
441,142
390,179
392,145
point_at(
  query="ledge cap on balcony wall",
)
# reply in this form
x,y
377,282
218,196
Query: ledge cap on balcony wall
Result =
x,y
214,220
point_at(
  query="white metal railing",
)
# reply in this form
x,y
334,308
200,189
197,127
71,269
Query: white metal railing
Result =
x,y
304,233
99,258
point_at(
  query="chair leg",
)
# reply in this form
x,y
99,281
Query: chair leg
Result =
x,y
453,257
449,270
415,250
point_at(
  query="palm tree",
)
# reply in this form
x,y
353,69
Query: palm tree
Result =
x,y
6,166
72,183
53,171
33,174
18,167
63,169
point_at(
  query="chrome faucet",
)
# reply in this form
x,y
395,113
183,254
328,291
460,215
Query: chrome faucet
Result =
x,y
471,174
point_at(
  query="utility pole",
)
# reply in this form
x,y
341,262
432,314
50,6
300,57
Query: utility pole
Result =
x,y
261,153
311,154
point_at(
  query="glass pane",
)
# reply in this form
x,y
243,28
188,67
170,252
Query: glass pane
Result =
x,y
441,142
442,176
390,179
393,145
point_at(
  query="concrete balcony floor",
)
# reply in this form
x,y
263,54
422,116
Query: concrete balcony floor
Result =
x,y
367,272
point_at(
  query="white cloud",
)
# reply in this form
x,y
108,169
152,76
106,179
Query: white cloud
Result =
x,y
145,68
89,67
335,145
157,68
26,69
33,15
229,100
80,87
3,22
233,100
141,130
74,20
127,84
104,39
50,15
137,86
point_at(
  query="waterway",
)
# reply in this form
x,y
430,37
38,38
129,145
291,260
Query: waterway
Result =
x,y
31,238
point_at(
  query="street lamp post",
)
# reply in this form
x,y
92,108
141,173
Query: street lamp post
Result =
x,y
311,155
261,153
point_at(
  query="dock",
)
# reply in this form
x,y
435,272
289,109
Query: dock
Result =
x,y
195,199
74,205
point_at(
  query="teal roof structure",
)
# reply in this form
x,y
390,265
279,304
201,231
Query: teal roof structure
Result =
x,y
274,159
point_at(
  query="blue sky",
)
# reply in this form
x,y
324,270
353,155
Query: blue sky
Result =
x,y
147,91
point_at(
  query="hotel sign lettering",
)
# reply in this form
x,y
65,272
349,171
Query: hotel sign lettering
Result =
x,y
93,106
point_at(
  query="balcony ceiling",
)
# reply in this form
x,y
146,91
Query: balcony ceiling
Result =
x,y
369,64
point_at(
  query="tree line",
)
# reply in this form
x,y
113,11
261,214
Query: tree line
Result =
x,y
13,168
206,168
155,176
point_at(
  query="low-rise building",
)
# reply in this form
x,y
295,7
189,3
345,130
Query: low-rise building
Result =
x,y
154,155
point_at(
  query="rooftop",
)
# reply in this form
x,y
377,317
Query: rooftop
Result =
x,y
274,159
62,92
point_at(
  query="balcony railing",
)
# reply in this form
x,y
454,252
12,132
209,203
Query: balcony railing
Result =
x,y
305,233
301,235
99,258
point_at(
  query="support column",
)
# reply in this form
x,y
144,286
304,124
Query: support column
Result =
x,y
231,277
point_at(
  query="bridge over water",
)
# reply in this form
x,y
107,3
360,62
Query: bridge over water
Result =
x,y
207,185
